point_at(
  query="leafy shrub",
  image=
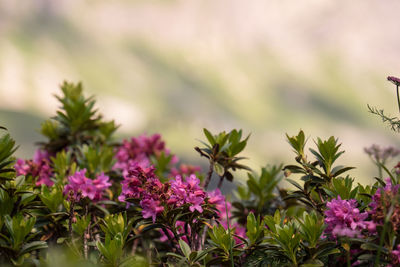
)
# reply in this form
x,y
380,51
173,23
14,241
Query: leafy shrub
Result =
x,y
85,199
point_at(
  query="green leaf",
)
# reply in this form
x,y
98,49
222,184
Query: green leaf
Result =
x,y
35,245
313,263
338,170
209,136
297,142
294,183
185,248
175,255
219,169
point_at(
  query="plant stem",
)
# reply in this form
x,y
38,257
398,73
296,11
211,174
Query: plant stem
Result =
x,y
382,237
209,174
134,246
398,99
314,203
380,169
189,238
170,238
86,235
348,258
377,260
71,215
202,238
320,195
221,179
230,236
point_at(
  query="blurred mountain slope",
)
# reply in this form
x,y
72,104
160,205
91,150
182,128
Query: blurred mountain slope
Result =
x,y
175,67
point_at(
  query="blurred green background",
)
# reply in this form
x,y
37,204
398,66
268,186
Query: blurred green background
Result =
x,y
174,67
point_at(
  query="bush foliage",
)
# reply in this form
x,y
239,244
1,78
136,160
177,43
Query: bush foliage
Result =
x,y
85,199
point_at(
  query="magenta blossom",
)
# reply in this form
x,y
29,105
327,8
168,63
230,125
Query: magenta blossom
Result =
x,y
185,170
142,184
395,256
138,151
39,168
383,199
389,190
216,197
80,185
189,191
137,182
22,167
44,174
151,208
343,218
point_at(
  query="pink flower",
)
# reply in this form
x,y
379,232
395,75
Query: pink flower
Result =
x,y
185,170
224,210
142,184
193,182
80,185
135,182
139,150
40,155
395,257
151,208
22,167
389,190
216,197
101,182
343,218
75,183
39,168
196,202
88,190
188,191
382,201
45,172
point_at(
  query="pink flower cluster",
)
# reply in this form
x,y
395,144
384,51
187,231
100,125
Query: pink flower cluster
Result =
x,y
388,191
215,198
39,168
395,257
188,191
142,183
343,218
185,170
138,151
81,186
382,201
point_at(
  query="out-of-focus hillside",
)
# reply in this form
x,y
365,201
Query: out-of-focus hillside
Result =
x,y
174,67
